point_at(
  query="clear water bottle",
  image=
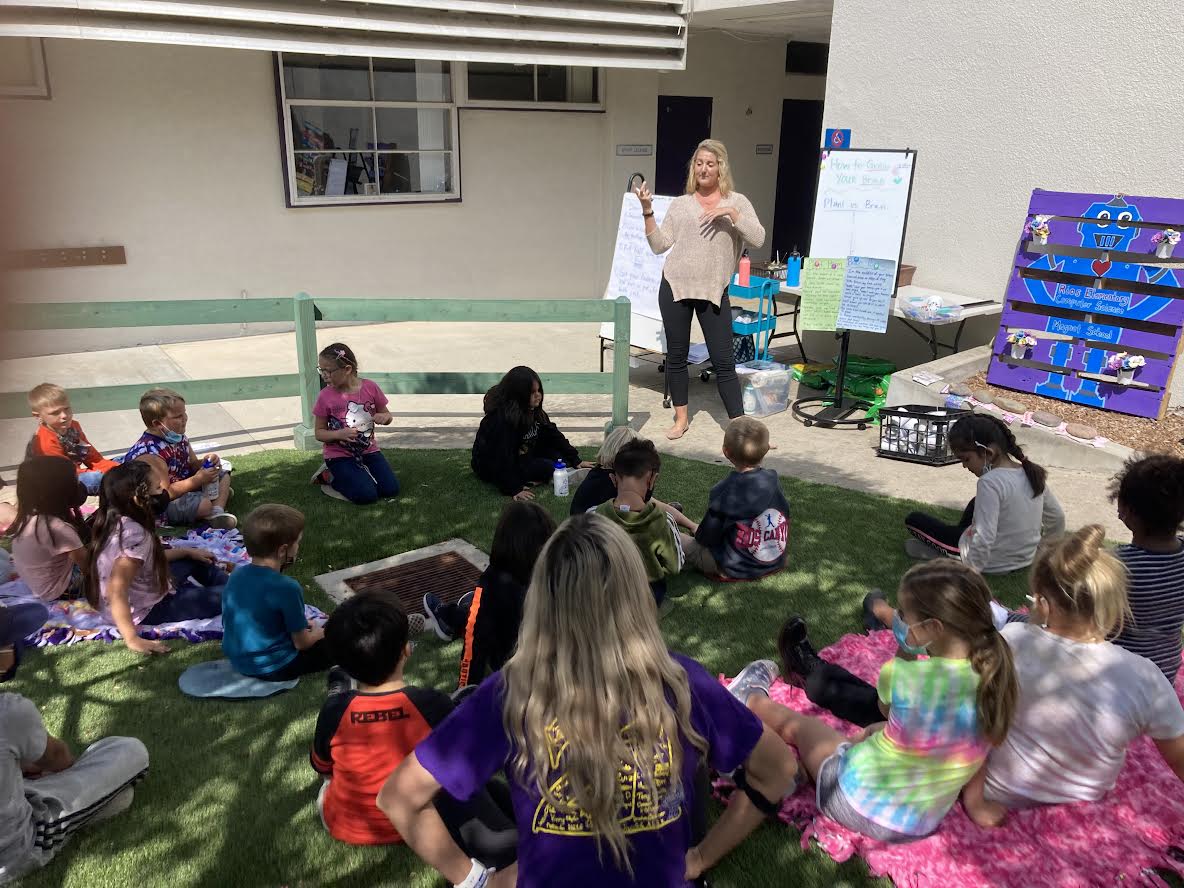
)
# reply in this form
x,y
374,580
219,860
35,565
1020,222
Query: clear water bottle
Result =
x,y
559,478
210,491
749,399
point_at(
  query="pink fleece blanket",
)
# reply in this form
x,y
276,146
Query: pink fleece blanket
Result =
x,y
1117,841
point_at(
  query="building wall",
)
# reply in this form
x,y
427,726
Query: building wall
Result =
x,y
174,152
1001,98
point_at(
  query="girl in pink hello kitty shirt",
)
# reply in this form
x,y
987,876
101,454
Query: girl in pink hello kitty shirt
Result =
x,y
346,411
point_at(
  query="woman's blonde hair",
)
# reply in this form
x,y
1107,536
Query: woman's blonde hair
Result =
x,y
726,185
958,596
592,683
613,442
1080,577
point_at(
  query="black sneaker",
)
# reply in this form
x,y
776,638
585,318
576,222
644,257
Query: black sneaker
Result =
x,y
338,681
431,604
798,657
871,622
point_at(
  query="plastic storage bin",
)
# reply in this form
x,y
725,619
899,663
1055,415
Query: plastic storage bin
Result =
x,y
764,386
918,433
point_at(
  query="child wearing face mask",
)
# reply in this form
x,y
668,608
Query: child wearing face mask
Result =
x,y
266,634
652,528
165,421
896,781
1012,506
128,572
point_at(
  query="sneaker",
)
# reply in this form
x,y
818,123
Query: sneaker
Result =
x,y
338,681
465,601
220,519
321,475
755,678
432,604
798,657
914,548
416,624
871,622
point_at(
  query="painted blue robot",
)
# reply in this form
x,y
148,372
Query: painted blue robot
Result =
x,y
1105,226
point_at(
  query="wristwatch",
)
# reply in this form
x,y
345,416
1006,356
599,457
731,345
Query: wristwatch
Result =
x,y
478,876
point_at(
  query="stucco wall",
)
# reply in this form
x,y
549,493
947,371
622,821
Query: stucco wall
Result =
x,y
174,153
1001,98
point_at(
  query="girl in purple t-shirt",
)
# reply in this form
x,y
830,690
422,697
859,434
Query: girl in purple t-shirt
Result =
x,y
601,731
346,410
128,577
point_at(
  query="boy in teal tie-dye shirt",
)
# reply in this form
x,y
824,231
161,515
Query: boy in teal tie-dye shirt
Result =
x,y
896,781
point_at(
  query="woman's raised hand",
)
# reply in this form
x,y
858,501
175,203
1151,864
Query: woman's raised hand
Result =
x,y
644,195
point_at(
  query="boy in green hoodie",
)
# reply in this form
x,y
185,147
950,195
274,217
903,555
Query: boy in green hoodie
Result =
x,y
653,530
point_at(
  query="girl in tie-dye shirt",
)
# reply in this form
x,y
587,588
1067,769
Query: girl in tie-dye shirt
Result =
x,y
896,781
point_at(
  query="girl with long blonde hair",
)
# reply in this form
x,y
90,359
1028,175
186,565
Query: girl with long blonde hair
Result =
x,y
1083,699
897,780
600,730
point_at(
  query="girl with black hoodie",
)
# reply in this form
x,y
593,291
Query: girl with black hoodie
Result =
x,y
517,445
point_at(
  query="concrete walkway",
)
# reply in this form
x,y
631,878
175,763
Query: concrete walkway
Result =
x,y
840,457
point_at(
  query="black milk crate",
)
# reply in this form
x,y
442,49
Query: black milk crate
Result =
x,y
918,433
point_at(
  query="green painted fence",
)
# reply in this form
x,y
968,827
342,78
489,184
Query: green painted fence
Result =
x,y
306,311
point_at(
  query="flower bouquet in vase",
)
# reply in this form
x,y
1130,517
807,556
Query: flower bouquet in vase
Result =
x,y
1037,229
1165,241
1020,341
1125,366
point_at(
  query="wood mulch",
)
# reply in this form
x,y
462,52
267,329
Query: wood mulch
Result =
x,y
1162,436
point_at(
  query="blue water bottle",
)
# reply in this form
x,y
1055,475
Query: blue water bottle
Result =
x,y
793,269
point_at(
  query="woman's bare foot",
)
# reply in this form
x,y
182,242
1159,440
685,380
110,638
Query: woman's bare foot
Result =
x,y
677,431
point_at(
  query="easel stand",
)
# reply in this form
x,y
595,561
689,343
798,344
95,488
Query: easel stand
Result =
x,y
835,412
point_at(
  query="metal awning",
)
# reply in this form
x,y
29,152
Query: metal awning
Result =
x,y
606,33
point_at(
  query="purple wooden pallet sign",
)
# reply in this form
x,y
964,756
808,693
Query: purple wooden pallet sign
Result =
x,y
1111,294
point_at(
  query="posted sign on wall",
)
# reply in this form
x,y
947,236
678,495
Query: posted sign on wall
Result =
x,y
1096,286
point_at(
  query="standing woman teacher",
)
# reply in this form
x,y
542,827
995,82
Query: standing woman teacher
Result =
x,y
708,228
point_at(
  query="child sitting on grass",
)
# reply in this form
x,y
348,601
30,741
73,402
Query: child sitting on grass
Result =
x,y
490,615
59,434
597,485
1012,506
745,534
897,780
346,411
48,545
1150,495
652,529
517,445
265,632
363,733
49,793
165,421
127,576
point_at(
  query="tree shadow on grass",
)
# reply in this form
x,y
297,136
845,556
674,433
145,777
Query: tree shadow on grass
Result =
x,y
230,797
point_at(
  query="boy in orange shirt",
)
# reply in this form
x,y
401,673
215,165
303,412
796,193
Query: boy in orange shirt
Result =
x,y
59,434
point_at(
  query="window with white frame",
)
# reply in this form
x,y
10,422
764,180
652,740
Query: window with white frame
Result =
x,y
567,87
362,130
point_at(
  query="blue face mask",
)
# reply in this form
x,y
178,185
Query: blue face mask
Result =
x,y
901,630
170,436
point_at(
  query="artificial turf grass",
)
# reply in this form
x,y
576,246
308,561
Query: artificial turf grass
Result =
x,y
230,797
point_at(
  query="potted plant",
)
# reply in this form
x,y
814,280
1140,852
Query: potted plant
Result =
x,y
1020,341
1125,366
1165,241
1037,229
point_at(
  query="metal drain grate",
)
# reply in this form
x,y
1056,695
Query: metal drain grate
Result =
x,y
448,575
